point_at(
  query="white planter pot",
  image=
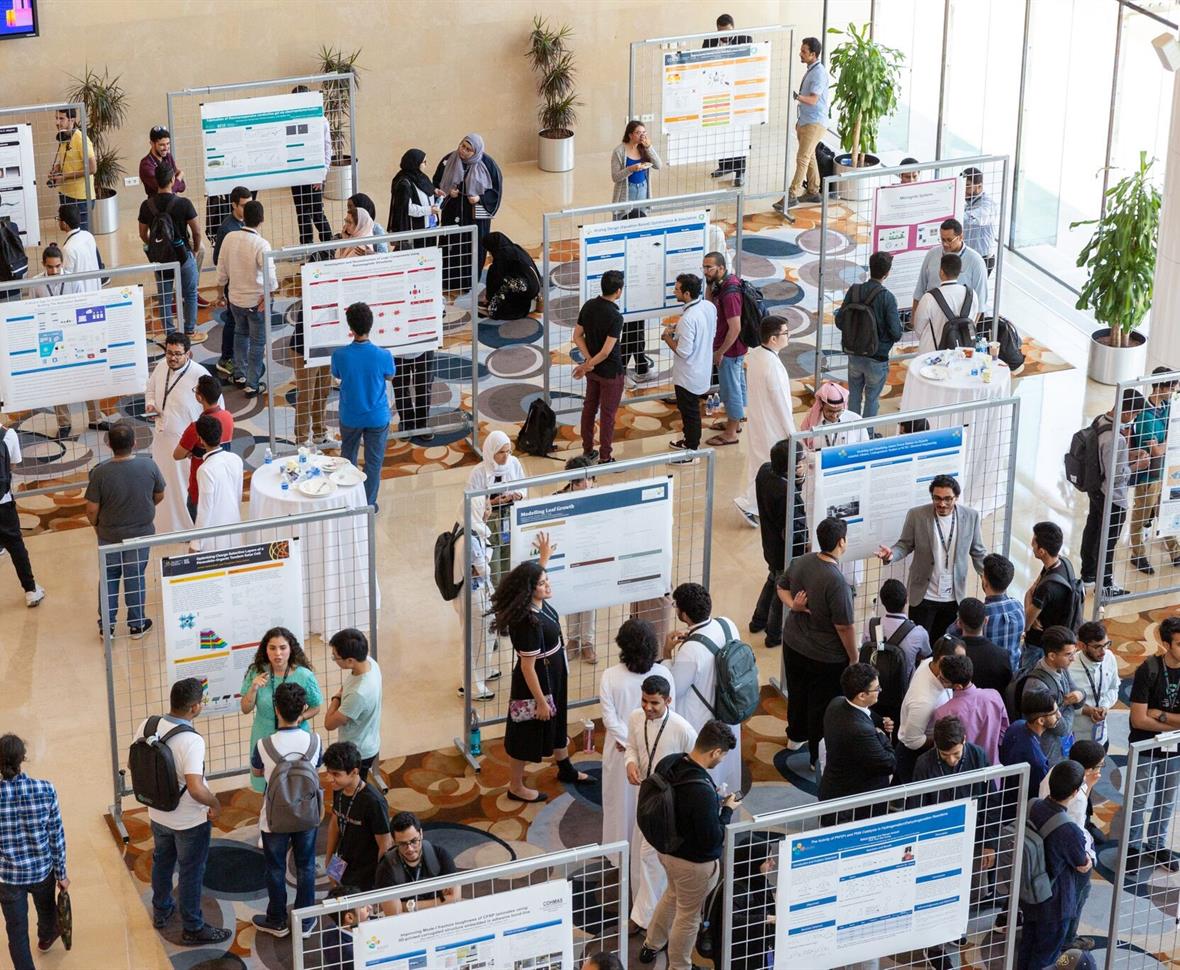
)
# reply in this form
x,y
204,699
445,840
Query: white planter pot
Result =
x,y
338,184
104,216
555,154
860,190
1113,365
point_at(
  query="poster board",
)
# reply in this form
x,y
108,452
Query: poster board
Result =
x,y
264,143
651,252
403,289
715,88
531,928
687,147
1167,522
905,224
217,605
18,182
613,543
73,347
854,892
871,485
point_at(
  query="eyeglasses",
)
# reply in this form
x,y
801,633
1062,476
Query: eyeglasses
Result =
x,y
175,354
409,843
1104,645
873,690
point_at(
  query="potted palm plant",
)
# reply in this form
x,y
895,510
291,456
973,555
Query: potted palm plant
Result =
x,y
106,109
338,184
1120,260
553,61
867,75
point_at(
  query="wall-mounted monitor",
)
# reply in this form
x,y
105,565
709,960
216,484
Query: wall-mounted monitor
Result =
x,y
18,18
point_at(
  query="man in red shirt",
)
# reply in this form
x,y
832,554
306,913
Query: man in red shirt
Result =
x,y
160,152
208,392
725,290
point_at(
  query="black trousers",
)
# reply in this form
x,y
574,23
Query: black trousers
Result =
x,y
309,213
934,616
689,405
13,543
811,685
411,391
768,613
1091,534
631,344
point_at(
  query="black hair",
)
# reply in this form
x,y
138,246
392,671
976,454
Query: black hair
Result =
x,y
165,174
350,644
185,693
724,20
52,251
813,45
178,337
68,213
718,258
579,461
946,645
611,282
690,285
972,614
998,571
957,669
342,756
239,193
209,387
893,595
1057,638
252,213
1049,537
973,175
1065,779
949,732
694,601
297,657
12,756
953,225
715,734
1092,631
951,265
908,160
158,132
857,678
360,318
780,458
208,430
513,596
362,201
290,699
1088,753
880,264
656,684
1168,629
604,960
1036,702
946,481
639,647
769,327
404,820
121,437
829,533
69,112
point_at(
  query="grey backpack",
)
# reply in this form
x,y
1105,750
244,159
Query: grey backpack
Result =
x,y
294,799
1035,884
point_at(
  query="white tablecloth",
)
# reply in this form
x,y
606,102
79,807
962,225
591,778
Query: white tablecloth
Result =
x,y
335,553
987,432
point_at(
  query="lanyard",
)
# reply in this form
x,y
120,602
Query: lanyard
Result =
x,y
1097,690
651,748
948,540
348,814
169,388
832,439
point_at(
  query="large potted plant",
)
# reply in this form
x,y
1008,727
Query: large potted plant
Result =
x,y
553,63
338,184
106,109
1120,260
867,76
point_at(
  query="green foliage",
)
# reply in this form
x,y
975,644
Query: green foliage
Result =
x,y
106,110
333,61
867,75
549,56
1120,255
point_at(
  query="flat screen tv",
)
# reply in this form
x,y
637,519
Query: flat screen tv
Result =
x,y
18,18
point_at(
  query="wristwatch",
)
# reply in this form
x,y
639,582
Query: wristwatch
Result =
x,y
1162,717
411,905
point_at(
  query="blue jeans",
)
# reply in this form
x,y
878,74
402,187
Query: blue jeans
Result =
x,y
14,901
274,848
190,279
1040,944
1158,779
866,377
375,438
128,565
189,848
249,344
731,379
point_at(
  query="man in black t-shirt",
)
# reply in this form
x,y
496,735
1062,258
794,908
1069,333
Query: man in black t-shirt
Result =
x,y
414,859
991,664
358,828
600,324
188,253
1050,600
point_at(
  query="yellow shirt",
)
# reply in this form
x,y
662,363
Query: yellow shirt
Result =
x,y
69,158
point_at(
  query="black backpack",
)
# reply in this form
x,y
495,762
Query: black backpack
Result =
x,y
825,160
1077,591
444,563
753,310
889,661
1083,464
1014,692
959,331
858,321
430,865
153,769
539,430
655,807
5,464
13,261
1010,343
165,241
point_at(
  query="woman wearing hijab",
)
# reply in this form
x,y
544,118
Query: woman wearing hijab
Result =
x,y
470,185
412,204
358,225
362,201
477,541
498,468
512,281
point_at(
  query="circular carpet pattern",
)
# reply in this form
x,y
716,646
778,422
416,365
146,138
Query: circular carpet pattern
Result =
x,y
516,362
835,243
773,247
839,274
565,275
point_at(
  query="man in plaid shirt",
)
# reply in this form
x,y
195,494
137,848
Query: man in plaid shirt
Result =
x,y
1004,625
32,854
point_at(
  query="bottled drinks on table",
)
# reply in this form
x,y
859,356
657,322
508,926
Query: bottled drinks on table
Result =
x,y
268,457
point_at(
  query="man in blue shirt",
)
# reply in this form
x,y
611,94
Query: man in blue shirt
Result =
x,y
1150,434
972,271
362,369
1022,740
810,125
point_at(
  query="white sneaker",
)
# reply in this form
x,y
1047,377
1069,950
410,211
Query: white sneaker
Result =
x,y
34,597
750,517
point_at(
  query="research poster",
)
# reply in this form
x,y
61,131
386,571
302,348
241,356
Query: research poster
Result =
x,y
1167,522
716,88
18,183
531,928
403,289
73,347
651,252
863,890
613,544
905,224
217,606
264,143
872,484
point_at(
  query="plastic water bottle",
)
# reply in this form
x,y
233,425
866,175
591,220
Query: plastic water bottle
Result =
x,y
285,486
474,747
981,343
713,404
268,457
587,735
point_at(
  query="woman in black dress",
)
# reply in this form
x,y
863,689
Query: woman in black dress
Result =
x,y
512,281
537,711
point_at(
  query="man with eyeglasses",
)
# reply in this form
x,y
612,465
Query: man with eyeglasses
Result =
x,y
859,755
1095,672
414,859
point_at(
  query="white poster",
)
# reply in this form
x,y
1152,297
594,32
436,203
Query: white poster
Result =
x,y
613,544
403,289
264,143
716,88
651,252
906,219
1167,523
74,347
871,485
18,184
863,890
531,928
217,606
686,147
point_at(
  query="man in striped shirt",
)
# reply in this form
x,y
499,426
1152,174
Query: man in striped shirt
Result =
x,y
1004,623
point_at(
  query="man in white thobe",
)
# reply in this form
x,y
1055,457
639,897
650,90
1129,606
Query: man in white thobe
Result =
x,y
768,410
219,486
654,731
170,397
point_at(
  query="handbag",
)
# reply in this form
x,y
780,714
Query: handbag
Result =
x,y
520,711
65,919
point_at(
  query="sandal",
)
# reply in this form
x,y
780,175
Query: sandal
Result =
x,y
718,442
589,654
720,426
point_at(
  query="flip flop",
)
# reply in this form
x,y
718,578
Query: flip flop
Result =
x,y
717,441
720,426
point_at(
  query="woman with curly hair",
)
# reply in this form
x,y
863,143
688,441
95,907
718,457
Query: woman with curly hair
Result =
x,y
537,712
279,660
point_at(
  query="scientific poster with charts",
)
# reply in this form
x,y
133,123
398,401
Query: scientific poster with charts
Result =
x,y
264,143
18,184
905,224
872,484
862,890
716,88
613,544
403,289
217,606
531,928
1167,522
73,347
651,252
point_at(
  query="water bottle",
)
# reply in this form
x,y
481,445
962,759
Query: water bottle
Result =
x,y
474,747
587,735
268,457
981,343
285,486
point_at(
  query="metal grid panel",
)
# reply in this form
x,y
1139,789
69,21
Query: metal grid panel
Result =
x,y
57,446
768,165
427,408
339,590
47,154
560,268
1000,794
488,657
1144,930
598,885
846,216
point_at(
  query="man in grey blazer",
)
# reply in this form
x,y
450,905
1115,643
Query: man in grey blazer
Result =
x,y
942,536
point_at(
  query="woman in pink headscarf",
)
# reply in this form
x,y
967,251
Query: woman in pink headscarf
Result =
x,y
358,225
